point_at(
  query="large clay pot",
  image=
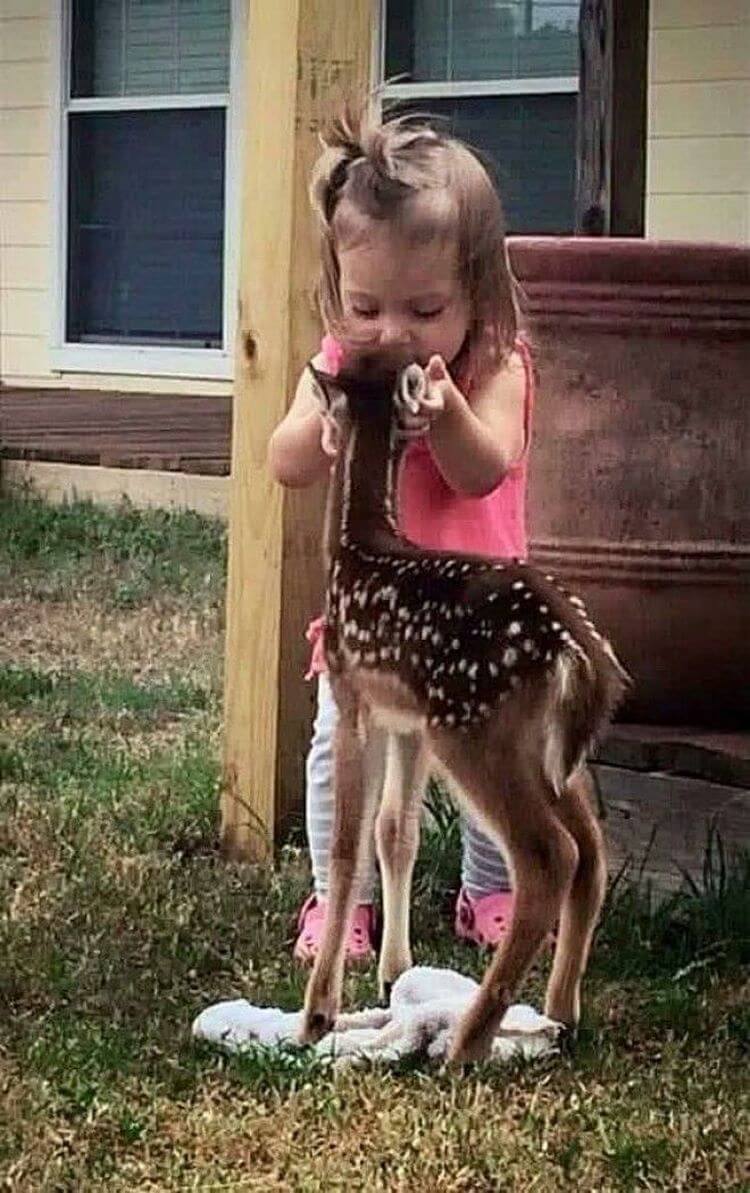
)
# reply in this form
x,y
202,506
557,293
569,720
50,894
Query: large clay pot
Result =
x,y
640,475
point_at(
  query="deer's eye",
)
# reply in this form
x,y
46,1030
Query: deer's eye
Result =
x,y
320,392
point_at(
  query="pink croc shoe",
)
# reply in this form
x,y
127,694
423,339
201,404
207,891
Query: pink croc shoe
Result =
x,y
359,946
484,921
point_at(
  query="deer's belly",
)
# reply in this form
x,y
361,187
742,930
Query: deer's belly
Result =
x,y
390,703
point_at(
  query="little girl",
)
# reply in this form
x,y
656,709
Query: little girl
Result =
x,y
414,257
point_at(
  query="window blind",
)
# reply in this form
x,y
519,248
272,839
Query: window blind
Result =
x,y
150,47
145,241
529,141
456,40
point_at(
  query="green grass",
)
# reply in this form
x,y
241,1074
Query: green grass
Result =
x,y
127,559
34,531
81,696
119,921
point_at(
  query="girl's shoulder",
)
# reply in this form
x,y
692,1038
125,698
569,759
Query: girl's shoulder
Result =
x,y
515,368
523,349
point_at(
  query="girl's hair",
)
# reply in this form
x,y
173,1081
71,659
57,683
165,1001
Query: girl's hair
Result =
x,y
433,186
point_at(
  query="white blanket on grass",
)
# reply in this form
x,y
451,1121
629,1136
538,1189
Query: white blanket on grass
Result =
x,y
425,1006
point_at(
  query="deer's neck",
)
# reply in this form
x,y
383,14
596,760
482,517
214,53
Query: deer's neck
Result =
x,y
362,496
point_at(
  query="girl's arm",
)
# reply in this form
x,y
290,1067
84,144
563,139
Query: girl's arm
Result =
x,y
475,444
295,454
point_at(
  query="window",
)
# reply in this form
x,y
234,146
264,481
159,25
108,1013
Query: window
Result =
x,y
145,165
505,77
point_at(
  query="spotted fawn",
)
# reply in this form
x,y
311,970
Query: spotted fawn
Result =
x,y
482,671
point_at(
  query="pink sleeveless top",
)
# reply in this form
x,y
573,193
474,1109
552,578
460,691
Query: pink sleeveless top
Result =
x,y
433,515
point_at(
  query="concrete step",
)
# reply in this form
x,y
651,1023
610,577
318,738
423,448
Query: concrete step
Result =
x,y
666,790
659,825
694,752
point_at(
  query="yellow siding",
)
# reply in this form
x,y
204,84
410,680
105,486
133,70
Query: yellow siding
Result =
x,y
28,9
688,14
723,164
698,151
128,383
25,188
24,224
24,130
23,312
699,217
26,211
26,178
699,109
24,38
690,55
23,84
29,265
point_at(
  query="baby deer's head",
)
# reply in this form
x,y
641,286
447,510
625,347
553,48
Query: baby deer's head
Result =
x,y
371,389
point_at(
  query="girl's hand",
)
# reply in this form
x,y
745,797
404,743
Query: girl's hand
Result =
x,y
441,387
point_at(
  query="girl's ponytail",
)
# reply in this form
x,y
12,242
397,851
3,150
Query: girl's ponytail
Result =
x,y
382,161
342,145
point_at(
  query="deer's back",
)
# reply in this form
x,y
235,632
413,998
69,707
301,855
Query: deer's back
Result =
x,y
455,635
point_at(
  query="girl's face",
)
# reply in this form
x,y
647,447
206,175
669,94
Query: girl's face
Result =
x,y
405,296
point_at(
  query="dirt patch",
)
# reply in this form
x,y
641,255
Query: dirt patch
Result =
x,y
153,643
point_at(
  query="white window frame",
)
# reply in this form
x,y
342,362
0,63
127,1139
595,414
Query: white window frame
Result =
x,y
149,360
465,88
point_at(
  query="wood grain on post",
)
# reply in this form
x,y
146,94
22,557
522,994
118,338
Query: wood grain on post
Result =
x,y
303,58
594,124
611,122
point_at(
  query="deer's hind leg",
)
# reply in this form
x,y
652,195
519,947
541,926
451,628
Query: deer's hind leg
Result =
x,y
359,768
513,800
397,839
583,903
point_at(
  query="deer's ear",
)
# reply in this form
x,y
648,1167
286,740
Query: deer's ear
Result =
x,y
324,386
411,387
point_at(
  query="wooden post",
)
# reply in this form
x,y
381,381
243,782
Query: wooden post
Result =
x,y
611,126
303,56
594,125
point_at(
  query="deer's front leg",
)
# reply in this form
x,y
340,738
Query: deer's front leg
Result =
x,y
397,839
359,767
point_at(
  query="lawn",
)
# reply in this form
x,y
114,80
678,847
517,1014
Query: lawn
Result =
x,y
119,921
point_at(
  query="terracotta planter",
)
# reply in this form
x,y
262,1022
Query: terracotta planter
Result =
x,y
640,481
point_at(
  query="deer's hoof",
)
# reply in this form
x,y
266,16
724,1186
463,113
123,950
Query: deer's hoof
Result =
x,y
322,1004
567,1039
388,972
468,1050
315,1025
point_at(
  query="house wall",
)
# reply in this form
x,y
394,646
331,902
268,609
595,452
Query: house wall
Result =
x,y
25,186
28,63
698,163
698,151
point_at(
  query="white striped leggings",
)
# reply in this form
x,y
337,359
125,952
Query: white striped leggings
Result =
x,y
483,870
